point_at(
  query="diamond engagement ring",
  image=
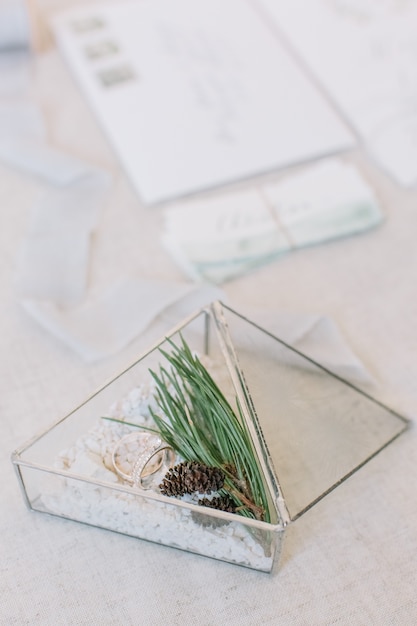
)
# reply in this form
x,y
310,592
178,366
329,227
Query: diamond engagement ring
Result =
x,y
139,456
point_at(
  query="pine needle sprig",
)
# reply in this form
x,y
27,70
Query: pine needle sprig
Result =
x,y
198,422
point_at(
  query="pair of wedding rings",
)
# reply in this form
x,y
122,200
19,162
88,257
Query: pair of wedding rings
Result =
x,y
141,458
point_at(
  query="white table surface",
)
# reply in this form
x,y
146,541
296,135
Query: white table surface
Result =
x,y
351,560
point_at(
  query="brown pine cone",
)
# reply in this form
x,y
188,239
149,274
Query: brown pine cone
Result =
x,y
222,503
191,477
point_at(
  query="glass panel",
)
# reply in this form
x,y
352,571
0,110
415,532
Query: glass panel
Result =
x,y
318,429
218,535
68,470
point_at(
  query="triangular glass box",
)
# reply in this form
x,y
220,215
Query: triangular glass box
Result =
x,y
309,429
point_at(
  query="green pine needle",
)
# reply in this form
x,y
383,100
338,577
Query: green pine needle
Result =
x,y
198,422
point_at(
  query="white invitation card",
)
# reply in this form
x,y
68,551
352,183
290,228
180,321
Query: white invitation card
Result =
x,y
195,93
226,235
364,54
